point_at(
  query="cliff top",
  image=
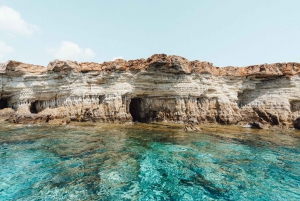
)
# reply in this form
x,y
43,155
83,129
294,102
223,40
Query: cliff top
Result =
x,y
157,62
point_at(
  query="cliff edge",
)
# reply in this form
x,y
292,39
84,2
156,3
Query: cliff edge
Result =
x,y
160,88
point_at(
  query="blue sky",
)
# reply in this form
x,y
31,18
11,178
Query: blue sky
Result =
x,y
224,32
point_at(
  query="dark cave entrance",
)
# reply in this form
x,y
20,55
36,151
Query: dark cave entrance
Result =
x,y
3,103
33,108
135,109
140,114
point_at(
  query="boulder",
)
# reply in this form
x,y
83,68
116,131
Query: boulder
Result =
x,y
259,125
193,121
190,128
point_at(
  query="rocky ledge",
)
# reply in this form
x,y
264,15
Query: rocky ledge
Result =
x,y
160,88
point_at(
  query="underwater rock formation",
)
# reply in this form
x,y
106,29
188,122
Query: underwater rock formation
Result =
x,y
160,88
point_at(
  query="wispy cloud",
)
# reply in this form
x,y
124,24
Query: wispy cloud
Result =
x,y
119,57
71,51
5,49
12,22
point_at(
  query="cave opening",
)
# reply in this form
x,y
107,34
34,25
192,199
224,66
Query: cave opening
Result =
x,y
3,103
33,108
135,109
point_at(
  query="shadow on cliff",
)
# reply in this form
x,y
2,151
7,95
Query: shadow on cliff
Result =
x,y
266,100
266,86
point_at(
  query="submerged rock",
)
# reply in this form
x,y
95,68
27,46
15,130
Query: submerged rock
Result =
x,y
190,127
63,121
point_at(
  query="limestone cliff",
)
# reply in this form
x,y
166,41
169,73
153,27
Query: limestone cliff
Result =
x,y
160,88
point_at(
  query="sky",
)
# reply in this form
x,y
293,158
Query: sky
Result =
x,y
224,32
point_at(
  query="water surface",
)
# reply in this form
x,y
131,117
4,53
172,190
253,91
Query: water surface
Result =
x,y
147,162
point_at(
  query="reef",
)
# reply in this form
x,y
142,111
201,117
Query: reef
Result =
x,y
160,88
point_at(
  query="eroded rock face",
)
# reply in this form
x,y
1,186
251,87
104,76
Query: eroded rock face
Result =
x,y
6,113
160,88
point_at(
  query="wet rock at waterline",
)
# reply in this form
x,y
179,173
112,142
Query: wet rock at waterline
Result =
x,y
259,125
160,88
192,125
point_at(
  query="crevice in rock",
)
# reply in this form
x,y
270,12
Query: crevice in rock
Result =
x,y
101,99
273,119
3,103
200,101
267,117
124,99
33,107
239,102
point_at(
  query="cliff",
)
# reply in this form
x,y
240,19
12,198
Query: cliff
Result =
x,y
160,88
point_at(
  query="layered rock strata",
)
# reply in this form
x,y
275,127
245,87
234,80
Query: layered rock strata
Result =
x,y
160,88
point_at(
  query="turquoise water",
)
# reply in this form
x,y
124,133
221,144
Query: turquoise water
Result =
x,y
147,162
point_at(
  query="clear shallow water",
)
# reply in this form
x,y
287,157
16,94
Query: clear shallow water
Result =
x,y
147,162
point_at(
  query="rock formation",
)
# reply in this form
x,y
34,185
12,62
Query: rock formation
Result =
x,y
160,88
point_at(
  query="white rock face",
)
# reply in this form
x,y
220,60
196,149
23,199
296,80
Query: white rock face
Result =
x,y
161,88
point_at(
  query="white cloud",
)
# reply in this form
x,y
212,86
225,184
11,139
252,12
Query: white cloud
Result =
x,y
11,21
4,49
115,58
88,53
71,51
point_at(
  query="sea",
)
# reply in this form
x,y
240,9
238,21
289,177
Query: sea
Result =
x,y
158,161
